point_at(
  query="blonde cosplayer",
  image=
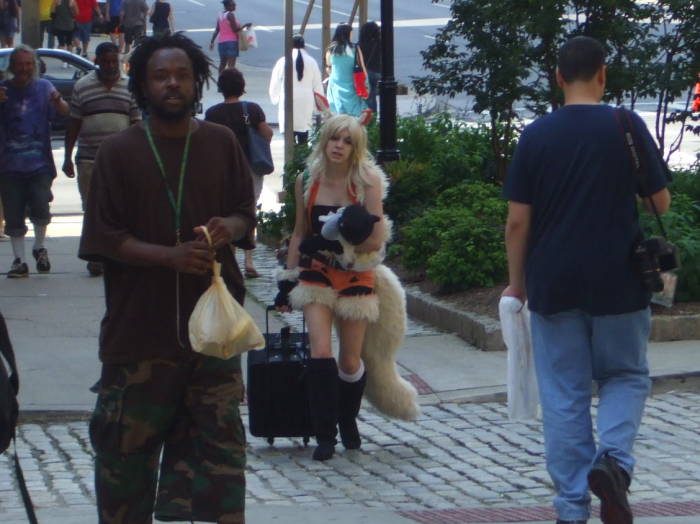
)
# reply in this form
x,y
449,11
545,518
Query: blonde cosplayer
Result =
x,y
361,162
382,306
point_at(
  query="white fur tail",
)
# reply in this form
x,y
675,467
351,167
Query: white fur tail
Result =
x,y
386,389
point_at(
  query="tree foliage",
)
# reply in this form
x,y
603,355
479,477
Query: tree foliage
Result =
x,y
503,54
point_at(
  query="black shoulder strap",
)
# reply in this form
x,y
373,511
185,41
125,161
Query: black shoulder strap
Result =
x,y
638,159
9,355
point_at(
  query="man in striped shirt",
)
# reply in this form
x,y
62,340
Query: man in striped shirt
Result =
x,y
101,105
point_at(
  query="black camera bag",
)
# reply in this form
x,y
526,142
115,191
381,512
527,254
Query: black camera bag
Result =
x,y
638,158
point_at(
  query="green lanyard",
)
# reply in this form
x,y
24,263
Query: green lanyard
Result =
x,y
177,206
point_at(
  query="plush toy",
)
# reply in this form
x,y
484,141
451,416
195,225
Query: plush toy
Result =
x,y
390,393
350,226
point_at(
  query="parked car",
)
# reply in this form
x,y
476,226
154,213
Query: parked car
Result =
x,y
60,67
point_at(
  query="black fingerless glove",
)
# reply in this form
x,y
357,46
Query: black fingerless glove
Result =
x,y
316,244
287,280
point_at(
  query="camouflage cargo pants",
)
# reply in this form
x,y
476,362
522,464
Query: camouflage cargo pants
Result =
x,y
187,410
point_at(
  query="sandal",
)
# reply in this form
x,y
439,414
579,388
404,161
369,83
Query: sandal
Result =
x,y
251,273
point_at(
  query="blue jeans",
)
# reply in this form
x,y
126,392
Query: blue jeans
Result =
x,y
373,90
571,350
22,194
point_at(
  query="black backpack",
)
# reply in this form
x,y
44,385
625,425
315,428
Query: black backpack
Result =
x,y
9,409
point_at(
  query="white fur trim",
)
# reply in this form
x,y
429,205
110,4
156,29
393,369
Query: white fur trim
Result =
x,y
386,389
351,378
363,307
287,274
304,294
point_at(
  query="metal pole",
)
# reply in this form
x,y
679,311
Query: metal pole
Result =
x,y
326,34
363,12
30,24
351,20
288,86
307,15
387,89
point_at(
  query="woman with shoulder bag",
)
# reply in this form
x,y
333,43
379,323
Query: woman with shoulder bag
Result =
x,y
341,57
231,113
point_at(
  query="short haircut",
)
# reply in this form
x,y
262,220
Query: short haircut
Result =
x,y
138,64
104,48
231,82
580,58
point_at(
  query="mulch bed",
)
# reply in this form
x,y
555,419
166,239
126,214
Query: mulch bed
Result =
x,y
484,300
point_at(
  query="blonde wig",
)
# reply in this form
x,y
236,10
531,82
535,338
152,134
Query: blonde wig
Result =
x,y
361,162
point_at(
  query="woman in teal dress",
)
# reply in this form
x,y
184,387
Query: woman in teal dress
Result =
x,y
340,60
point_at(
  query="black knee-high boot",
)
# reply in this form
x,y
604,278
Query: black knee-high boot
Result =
x,y
323,404
349,401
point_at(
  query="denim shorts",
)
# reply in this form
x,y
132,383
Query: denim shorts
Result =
x,y
25,194
228,49
83,31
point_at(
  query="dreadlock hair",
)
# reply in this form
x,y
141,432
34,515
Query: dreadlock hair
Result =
x,y
149,45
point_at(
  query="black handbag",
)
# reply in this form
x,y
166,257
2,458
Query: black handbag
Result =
x,y
9,410
259,152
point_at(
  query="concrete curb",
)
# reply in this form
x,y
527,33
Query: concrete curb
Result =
x,y
480,331
485,332
667,328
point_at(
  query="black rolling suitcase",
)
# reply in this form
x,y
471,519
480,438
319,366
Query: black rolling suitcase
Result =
x,y
277,400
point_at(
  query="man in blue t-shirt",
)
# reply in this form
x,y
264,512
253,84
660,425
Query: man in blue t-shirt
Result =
x,y
27,104
572,227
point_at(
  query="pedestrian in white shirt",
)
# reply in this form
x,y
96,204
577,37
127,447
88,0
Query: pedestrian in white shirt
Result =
x,y
306,81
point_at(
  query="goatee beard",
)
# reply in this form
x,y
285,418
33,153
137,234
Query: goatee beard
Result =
x,y
171,116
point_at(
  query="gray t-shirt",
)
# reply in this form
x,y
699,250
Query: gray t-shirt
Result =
x,y
134,13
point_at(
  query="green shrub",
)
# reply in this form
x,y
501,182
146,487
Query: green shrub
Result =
x,y
436,154
458,243
683,229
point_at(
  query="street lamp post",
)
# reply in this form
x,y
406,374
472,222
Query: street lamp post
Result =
x,y
387,89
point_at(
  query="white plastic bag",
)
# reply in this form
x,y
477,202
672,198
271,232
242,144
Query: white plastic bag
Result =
x,y
219,326
247,39
523,397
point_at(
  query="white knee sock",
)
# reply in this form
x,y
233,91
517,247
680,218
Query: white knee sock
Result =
x,y
39,236
354,377
18,247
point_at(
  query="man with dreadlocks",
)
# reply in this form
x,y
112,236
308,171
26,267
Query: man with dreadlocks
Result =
x,y
154,186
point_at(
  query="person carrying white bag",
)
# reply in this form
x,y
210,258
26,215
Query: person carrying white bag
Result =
x,y
523,398
219,326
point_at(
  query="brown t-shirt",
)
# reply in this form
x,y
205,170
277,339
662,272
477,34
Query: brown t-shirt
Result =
x,y
128,199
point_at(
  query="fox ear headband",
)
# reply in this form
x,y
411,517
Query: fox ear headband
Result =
x,y
323,107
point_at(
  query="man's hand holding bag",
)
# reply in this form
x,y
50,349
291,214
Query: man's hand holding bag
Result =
x,y
219,326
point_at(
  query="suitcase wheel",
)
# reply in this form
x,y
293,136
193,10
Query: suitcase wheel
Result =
x,y
270,440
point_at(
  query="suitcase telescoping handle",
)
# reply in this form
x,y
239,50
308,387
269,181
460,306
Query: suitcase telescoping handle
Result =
x,y
284,336
267,320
